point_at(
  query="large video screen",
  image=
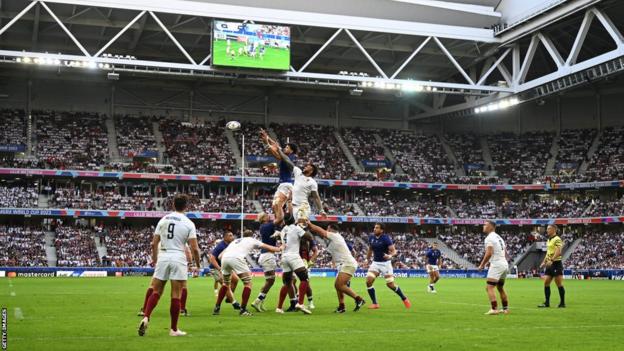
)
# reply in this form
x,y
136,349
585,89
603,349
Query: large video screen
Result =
x,y
238,44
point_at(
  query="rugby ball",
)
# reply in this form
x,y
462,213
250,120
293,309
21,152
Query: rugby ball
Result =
x,y
233,125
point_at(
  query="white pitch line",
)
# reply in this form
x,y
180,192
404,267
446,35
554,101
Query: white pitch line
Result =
x,y
330,332
18,313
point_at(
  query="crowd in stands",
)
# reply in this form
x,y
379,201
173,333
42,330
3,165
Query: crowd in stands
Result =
x,y
468,151
22,246
574,145
421,156
317,144
362,144
71,140
197,148
108,199
520,158
468,242
135,135
13,130
608,161
599,250
128,247
12,195
75,246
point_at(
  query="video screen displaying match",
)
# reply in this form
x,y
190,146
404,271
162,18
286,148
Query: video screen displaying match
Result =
x,y
264,46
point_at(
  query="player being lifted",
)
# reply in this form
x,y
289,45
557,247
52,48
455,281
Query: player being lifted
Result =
x,y
292,263
172,234
233,261
215,265
382,249
267,259
434,261
285,187
304,187
345,264
496,255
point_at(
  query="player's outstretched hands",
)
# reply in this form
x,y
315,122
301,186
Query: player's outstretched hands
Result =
x,y
387,257
195,272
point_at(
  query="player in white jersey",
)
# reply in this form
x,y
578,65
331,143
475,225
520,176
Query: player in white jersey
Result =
x,y
171,236
233,261
304,187
292,262
344,262
496,255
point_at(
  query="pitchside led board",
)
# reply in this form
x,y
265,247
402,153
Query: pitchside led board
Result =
x,y
239,44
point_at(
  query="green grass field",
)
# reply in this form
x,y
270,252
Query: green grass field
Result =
x,y
273,58
100,314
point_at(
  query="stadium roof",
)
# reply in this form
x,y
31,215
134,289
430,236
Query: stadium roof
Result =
x,y
447,43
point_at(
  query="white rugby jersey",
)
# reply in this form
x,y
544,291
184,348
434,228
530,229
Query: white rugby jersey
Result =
x,y
292,239
498,245
240,248
175,229
338,249
302,188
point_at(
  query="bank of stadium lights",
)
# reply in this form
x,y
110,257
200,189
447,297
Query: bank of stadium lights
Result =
x,y
45,61
405,87
496,106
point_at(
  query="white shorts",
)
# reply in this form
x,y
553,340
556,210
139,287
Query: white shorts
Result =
x,y
171,270
284,189
498,271
382,268
302,211
348,268
267,261
233,264
432,268
292,263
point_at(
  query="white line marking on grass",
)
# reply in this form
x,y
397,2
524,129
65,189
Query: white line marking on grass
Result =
x,y
18,313
487,306
326,332
12,293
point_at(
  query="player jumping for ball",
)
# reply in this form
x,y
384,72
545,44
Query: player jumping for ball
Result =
x,y
285,187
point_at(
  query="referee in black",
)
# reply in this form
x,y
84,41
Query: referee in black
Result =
x,y
554,267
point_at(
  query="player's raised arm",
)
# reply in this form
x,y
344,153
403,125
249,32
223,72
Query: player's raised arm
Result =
x,y
317,230
286,159
486,258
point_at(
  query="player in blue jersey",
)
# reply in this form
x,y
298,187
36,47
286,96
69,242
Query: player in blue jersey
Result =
x,y
381,249
285,187
215,267
267,259
434,261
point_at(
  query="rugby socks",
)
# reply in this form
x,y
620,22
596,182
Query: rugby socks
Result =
x,y
562,295
183,299
371,293
221,296
547,295
152,301
398,291
148,293
174,311
505,304
494,305
246,293
261,296
310,298
303,287
282,296
293,302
